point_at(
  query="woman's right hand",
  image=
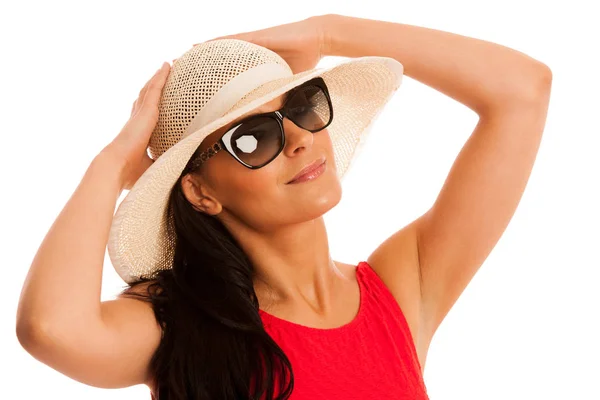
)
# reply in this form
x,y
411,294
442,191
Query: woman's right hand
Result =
x,y
130,146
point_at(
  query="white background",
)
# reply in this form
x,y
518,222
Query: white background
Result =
x,y
527,325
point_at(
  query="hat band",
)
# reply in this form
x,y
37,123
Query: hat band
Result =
x,y
233,91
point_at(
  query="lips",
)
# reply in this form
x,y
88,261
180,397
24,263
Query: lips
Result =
x,y
308,169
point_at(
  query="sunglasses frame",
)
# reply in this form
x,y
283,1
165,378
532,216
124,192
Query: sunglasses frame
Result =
x,y
277,115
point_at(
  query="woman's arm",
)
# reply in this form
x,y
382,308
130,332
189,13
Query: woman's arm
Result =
x,y
61,320
510,92
480,74
63,285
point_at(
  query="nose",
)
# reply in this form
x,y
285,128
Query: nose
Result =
x,y
297,139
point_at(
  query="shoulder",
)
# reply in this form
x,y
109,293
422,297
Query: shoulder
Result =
x,y
396,262
142,291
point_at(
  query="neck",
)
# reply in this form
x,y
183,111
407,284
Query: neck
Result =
x,y
293,265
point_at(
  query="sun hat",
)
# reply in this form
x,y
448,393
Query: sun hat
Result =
x,y
208,87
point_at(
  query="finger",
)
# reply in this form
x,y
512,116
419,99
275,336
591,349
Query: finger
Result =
x,y
133,108
138,102
143,90
154,90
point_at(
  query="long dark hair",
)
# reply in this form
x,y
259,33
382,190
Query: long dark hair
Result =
x,y
214,345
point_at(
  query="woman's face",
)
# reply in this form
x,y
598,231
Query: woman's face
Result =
x,y
262,198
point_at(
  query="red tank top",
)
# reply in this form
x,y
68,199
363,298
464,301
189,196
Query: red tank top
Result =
x,y
371,357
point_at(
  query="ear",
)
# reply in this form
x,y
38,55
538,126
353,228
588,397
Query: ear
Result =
x,y
197,194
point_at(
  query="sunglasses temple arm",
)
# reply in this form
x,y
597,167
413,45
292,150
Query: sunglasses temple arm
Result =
x,y
206,154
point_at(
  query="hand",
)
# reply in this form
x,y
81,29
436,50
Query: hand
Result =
x,y
301,44
130,145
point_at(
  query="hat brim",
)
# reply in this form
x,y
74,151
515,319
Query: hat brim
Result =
x,y
139,244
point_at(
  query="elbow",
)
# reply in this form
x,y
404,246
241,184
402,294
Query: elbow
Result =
x,y
538,84
533,86
27,333
32,335
532,92
542,81
546,74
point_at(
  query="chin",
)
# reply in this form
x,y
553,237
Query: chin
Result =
x,y
317,199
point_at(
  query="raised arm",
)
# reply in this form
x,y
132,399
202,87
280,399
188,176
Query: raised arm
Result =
x,y
60,319
429,263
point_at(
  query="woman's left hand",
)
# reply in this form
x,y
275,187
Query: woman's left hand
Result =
x,y
300,43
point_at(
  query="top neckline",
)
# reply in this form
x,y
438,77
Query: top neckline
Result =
x,y
309,329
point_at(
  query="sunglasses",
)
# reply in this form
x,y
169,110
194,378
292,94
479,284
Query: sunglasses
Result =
x,y
257,140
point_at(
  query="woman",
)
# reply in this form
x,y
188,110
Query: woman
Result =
x,y
253,306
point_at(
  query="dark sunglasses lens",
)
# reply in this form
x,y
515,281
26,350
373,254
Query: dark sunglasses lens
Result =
x,y
257,141
309,108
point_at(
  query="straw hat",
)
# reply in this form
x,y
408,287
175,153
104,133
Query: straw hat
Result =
x,y
209,86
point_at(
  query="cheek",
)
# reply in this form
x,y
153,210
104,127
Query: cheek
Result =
x,y
250,183
327,144
245,188
323,142
255,197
